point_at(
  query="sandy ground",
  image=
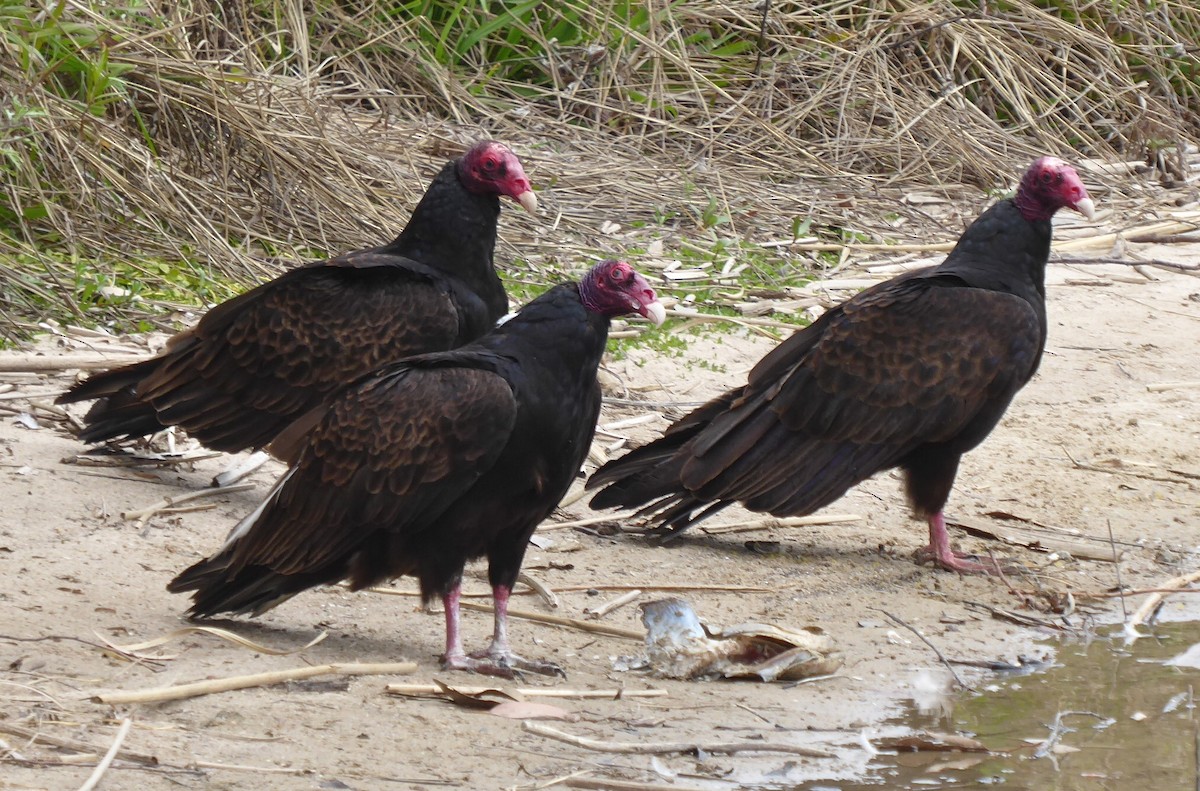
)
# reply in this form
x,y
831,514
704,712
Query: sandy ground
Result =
x,y
1086,445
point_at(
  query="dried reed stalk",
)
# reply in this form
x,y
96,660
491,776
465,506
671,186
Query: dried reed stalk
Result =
x,y
528,692
211,686
661,748
234,141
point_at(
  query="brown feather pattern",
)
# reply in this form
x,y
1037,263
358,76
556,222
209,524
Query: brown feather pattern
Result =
x,y
911,373
430,461
260,361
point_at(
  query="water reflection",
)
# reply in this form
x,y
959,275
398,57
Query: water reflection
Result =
x,y
1126,720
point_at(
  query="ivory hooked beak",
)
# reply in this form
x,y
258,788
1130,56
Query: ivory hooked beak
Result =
x,y
655,312
528,201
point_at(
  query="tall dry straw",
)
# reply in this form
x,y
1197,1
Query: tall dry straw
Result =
x,y
216,136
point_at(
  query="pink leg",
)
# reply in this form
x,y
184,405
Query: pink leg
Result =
x,y
499,660
940,552
454,656
500,647
501,653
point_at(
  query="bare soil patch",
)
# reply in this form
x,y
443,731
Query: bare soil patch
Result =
x,y
1086,445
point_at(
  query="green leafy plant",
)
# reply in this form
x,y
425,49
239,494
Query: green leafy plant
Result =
x,y
513,40
229,132
71,56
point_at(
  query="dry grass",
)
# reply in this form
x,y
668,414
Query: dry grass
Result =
x,y
243,131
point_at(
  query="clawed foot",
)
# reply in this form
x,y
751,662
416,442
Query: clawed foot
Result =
x,y
507,665
484,666
955,561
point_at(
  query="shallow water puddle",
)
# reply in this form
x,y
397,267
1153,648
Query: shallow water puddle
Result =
x,y
1126,720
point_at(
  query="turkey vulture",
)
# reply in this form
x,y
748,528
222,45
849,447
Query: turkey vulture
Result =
x,y
911,373
431,461
255,363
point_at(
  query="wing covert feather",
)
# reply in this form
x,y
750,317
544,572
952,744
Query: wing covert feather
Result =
x,y
909,365
346,323
432,433
892,370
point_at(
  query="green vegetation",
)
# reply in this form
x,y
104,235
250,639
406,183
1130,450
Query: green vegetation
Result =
x,y
664,341
70,57
515,42
177,152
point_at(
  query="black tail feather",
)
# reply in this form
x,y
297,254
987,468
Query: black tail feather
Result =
x,y
108,383
644,474
654,470
249,591
672,521
118,412
119,416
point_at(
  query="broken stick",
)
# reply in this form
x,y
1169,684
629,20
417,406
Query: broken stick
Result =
x,y
1162,387
605,609
901,622
105,762
198,688
659,748
73,745
1152,603
529,692
774,522
66,362
170,502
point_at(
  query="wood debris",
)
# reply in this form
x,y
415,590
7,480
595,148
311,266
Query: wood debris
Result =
x,y
212,686
659,748
440,690
169,503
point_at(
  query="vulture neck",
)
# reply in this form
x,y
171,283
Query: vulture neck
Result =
x,y
1003,251
453,230
578,334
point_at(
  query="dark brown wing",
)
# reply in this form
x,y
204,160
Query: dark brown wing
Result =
x,y
258,362
390,455
917,360
892,370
